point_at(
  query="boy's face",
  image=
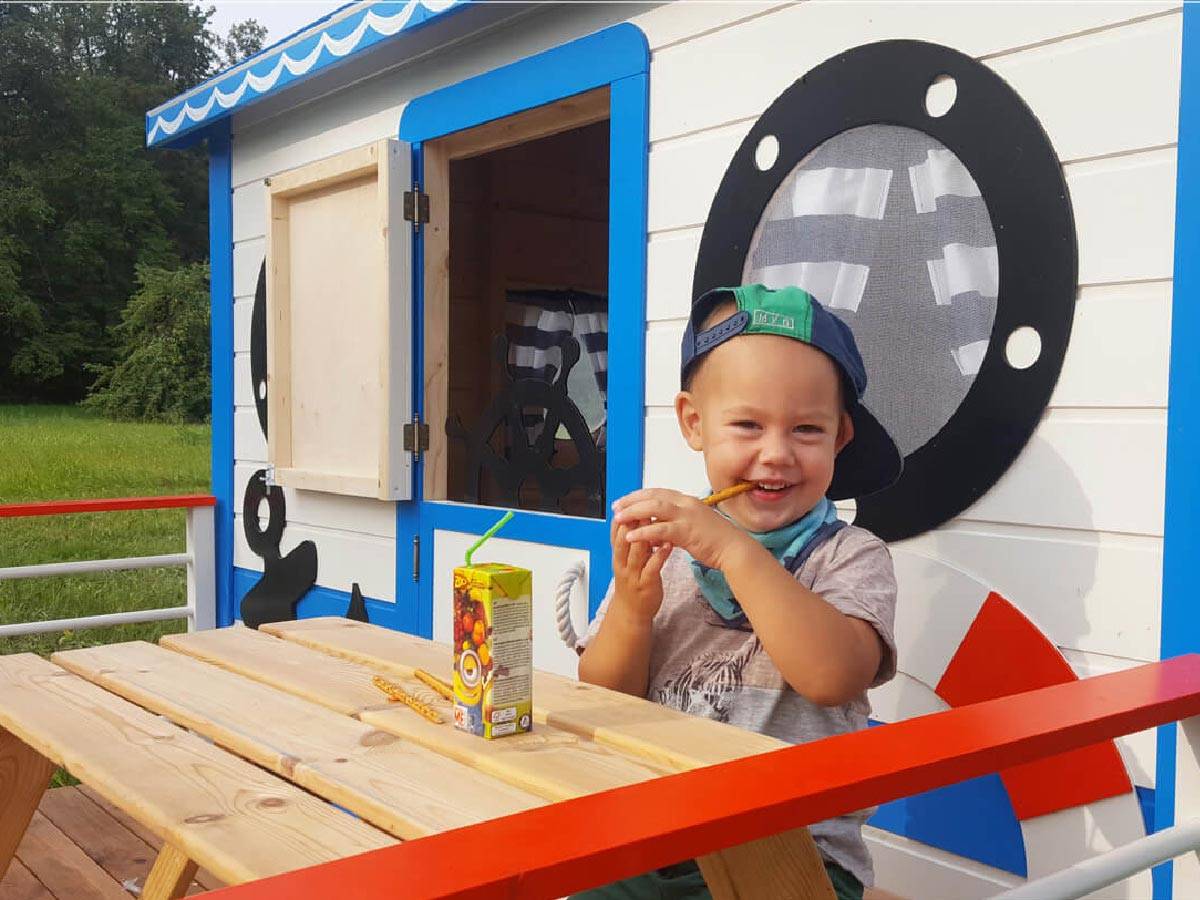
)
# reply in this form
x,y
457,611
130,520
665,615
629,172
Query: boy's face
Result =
x,y
766,409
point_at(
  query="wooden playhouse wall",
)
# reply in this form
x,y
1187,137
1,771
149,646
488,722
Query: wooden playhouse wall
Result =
x,y
1072,534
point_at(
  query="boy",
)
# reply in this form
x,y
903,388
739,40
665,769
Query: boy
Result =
x,y
770,614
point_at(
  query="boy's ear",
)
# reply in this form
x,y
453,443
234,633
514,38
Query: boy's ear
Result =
x,y
688,414
845,432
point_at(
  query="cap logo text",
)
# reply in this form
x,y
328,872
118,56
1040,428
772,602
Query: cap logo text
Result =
x,y
773,320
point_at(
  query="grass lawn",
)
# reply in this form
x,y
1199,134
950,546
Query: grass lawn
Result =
x,y
63,453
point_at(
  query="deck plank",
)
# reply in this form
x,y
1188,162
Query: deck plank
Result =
x,y
663,736
58,863
550,762
222,811
205,880
395,784
107,842
19,883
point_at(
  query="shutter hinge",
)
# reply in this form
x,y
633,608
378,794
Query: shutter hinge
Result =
x,y
416,437
416,207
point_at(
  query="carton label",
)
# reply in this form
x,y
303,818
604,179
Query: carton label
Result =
x,y
493,649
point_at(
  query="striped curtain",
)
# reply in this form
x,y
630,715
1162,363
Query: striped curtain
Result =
x,y
537,324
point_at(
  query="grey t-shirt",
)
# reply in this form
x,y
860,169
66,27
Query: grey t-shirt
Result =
x,y
699,666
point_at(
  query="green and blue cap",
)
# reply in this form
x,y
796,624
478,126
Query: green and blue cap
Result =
x,y
871,461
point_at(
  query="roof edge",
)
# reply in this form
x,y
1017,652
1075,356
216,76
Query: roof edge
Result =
x,y
325,43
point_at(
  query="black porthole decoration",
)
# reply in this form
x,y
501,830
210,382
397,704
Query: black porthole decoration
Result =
x,y
913,192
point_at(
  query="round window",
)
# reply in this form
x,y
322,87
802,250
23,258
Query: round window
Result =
x,y
910,190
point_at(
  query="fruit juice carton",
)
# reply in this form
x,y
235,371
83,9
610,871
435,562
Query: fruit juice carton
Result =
x,y
493,649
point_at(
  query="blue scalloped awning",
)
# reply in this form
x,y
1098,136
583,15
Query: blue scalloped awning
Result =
x,y
349,30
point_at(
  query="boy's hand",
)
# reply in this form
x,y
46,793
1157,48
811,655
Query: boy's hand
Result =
x,y
637,572
657,516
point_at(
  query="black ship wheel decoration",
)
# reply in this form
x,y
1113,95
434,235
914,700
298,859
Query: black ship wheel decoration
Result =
x,y
943,236
522,459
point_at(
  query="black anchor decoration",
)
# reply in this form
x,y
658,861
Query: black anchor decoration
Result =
x,y
285,580
522,460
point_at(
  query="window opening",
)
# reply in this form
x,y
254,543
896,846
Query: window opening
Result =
x,y
528,264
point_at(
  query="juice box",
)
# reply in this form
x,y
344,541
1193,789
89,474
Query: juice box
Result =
x,y
493,649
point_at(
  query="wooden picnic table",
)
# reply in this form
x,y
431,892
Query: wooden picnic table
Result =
x,y
244,751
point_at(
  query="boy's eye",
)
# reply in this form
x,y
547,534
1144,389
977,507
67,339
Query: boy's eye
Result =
x,y
809,429
745,423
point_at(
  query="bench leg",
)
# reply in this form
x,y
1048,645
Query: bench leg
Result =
x,y
170,876
786,866
24,775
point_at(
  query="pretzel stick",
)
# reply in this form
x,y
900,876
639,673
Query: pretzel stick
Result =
x,y
435,684
395,692
725,493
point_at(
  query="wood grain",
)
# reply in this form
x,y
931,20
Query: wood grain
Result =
x,y
204,878
549,762
19,883
65,870
118,851
230,816
396,785
662,737
785,866
436,312
172,873
24,774
541,121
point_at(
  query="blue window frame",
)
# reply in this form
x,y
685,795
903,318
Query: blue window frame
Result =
x,y
617,58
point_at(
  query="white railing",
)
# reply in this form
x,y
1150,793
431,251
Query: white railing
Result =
x,y
199,559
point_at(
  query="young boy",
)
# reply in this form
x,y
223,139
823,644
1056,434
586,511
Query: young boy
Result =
x,y
770,613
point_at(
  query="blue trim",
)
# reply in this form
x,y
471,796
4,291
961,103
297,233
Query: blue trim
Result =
x,y
284,64
617,58
323,601
1181,528
581,65
220,239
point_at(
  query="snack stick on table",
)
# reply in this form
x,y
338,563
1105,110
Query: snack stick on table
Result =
x,y
395,692
435,684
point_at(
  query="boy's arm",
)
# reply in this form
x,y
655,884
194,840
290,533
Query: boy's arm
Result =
x,y
618,656
826,656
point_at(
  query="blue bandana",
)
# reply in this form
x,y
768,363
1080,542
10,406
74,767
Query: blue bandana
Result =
x,y
791,545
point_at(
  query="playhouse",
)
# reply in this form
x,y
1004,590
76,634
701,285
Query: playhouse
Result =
x,y
453,248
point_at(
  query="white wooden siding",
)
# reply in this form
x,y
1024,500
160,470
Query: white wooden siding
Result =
x,y
1073,533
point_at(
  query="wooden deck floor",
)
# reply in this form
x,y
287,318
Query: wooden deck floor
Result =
x,y
79,847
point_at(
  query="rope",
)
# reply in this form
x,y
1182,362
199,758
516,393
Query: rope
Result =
x,y
562,604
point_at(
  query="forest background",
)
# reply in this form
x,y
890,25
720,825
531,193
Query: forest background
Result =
x,y
104,244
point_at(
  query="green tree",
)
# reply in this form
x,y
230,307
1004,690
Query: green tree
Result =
x,y
83,203
162,372
243,41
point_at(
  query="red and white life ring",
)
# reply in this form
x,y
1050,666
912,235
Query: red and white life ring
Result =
x,y
966,643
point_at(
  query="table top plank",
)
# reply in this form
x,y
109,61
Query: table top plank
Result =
x,y
549,761
230,816
394,784
663,736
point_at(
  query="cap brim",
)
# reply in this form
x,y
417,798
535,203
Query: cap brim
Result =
x,y
869,463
